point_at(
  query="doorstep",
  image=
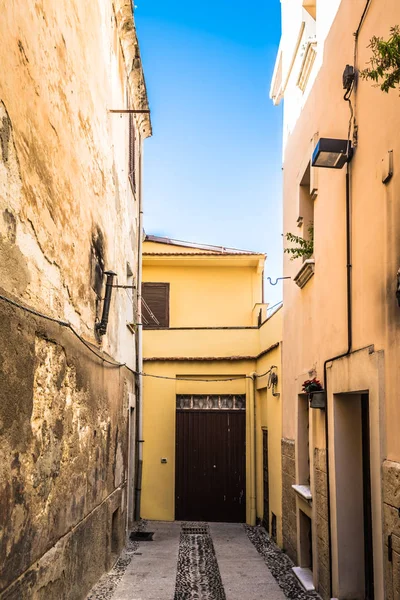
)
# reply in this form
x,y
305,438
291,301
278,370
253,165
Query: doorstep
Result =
x,y
305,577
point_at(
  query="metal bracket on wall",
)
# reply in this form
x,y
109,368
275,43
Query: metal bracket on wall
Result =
x,y
276,280
125,287
129,111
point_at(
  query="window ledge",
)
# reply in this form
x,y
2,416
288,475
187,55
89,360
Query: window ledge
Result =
x,y
305,272
305,577
303,491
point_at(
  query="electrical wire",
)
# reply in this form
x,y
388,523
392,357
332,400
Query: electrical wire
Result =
x,y
152,315
199,380
114,363
275,305
266,372
357,33
63,324
355,61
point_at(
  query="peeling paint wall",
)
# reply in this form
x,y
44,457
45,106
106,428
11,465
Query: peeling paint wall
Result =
x,y
66,208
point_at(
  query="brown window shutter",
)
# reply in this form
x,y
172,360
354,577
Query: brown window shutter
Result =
x,y
155,305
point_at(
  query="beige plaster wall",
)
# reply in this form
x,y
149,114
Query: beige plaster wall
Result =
x,y
315,316
315,319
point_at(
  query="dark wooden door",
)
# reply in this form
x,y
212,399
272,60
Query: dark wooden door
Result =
x,y
265,480
210,483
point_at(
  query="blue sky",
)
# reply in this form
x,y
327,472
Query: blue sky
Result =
x,y
213,166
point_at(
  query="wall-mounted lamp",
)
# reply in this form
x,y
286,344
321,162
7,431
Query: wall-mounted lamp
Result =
x,y
101,326
273,382
331,153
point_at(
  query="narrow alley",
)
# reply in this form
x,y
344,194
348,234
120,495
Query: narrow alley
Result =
x,y
200,561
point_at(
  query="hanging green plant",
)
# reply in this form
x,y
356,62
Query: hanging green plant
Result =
x,y
303,248
384,67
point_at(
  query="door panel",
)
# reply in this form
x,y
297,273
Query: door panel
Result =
x,y
210,465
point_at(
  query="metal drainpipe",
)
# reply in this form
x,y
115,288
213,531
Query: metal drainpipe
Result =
x,y
253,446
348,351
139,347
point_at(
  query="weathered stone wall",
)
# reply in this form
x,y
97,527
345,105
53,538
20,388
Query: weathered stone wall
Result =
x,y
65,197
321,516
289,523
391,506
67,209
63,460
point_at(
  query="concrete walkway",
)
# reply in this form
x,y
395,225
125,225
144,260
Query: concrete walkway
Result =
x,y
152,573
244,574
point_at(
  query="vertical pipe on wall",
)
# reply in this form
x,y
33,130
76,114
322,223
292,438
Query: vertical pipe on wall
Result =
x,y
252,446
139,345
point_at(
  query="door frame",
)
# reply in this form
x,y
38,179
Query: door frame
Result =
x,y
360,372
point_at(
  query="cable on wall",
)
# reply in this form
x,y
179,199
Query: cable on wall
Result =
x,y
114,363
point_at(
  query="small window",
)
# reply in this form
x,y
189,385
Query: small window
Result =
x,y
155,305
306,207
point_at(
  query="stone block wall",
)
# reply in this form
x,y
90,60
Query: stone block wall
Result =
x,y
63,460
289,522
391,507
321,521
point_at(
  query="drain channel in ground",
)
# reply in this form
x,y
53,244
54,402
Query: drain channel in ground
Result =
x,y
198,576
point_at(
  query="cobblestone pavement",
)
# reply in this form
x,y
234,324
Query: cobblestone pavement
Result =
x,y
197,576
200,561
105,587
279,564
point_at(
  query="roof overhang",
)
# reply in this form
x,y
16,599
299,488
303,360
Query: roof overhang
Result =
x,y
204,260
133,63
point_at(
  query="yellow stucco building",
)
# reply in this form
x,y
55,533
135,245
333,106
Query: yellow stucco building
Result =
x,y
341,315
211,423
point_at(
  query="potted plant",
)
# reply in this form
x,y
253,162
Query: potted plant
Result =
x,y
315,392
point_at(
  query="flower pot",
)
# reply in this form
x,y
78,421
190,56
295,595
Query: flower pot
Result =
x,y
317,399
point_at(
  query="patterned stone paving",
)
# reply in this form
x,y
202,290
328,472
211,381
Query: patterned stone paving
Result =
x,y
198,576
279,564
